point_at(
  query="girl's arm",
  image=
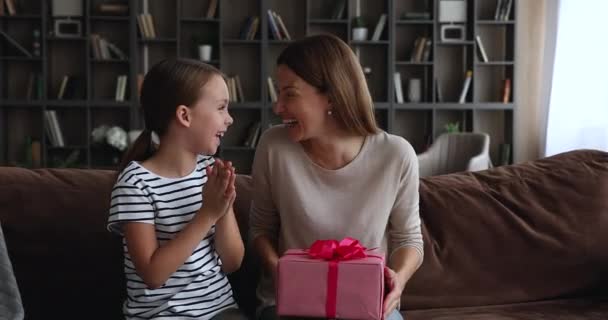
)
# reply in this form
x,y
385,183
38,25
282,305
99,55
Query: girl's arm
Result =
x,y
154,263
228,242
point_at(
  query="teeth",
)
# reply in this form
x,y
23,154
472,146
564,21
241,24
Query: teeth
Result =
x,y
290,121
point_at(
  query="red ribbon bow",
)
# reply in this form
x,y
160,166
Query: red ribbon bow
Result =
x,y
335,252
346,249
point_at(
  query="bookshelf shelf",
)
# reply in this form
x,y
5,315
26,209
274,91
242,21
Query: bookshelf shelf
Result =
x,y
415,22
495,22
241,42
23,59
21,17
328,21
495,63
370,43
200,20
109,61
66,39
109,18
180,25
409,63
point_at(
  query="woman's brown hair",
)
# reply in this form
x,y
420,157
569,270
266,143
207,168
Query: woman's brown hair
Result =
x,y
168,84
328,64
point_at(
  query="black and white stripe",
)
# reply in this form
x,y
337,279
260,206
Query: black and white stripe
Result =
x,y
198,289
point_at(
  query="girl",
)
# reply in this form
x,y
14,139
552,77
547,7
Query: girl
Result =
x,y
173,206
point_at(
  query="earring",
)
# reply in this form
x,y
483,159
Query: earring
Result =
x,y
329,112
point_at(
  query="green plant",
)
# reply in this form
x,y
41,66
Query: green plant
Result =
x,y
358,22
452,127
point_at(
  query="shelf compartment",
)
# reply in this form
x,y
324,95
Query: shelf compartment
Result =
x,y
22,126
415,126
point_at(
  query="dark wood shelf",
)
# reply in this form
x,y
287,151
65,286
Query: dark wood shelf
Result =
x,y
241,42
328,21
20,16
495,22
409,63
99,18
414,22
177,23
24,59
200,20
109,61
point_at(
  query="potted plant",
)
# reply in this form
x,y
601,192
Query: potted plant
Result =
x,y
453,127
359,29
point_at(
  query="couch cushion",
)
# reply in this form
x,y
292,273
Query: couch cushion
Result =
x,y
577,309
63,257
54,222
519,233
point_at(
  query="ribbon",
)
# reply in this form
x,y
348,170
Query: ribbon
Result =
x,y
334,252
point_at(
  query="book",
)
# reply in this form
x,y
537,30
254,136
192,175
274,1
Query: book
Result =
x,y
465,86
497,12
271,90
506,91
119,9
62,86
398,87
15,44
211,9
379,28
282,26
438,92
482,51
338,11
272,24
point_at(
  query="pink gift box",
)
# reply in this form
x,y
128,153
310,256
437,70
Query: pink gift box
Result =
x,y
302,288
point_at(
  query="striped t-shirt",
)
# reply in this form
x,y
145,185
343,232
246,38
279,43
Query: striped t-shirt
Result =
x,y
198,289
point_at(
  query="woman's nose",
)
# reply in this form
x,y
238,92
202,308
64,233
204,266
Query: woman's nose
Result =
x,y
277,107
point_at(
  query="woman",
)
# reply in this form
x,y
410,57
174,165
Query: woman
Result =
x,y
329,172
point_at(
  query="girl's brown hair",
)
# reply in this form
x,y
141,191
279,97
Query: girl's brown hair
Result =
x,y
328,64
168,84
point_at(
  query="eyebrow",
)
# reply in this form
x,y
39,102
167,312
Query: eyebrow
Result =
x,y
291,86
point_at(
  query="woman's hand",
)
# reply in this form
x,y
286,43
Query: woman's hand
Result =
x,y
392,300
219,192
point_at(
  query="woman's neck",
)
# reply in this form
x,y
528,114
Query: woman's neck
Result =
x,y
171,161
335,151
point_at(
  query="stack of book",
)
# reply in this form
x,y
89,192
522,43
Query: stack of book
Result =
x,y
277,27
421,51
250,28
235,90
146,26
53,130
104,50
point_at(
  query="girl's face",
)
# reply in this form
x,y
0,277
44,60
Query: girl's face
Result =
x,y
209,116
301,106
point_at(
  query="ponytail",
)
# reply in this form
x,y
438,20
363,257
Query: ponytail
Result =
x,y
141,150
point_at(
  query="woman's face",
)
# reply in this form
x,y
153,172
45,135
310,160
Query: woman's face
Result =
x,y
301,106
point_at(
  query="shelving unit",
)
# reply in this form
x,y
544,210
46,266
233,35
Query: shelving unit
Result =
x,y
182,24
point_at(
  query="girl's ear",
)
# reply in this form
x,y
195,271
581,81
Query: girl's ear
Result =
x,y
182,115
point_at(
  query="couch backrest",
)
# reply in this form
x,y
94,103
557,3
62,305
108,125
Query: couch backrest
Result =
x,y
64,259
518,233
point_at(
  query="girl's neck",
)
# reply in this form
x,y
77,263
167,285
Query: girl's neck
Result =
x,y
334,151
171,161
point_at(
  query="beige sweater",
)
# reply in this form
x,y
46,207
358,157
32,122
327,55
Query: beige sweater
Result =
x,y
374,198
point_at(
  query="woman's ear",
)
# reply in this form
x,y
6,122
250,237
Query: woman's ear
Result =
x,y
182,115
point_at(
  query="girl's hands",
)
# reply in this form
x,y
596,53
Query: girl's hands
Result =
x,y
219,192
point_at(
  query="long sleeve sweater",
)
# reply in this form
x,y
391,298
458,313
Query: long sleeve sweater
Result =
x,y
374,198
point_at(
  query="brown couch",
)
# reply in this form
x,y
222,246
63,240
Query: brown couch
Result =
x,y
527,241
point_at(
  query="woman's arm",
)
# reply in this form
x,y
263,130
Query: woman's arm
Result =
x,y
267,251
228,242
